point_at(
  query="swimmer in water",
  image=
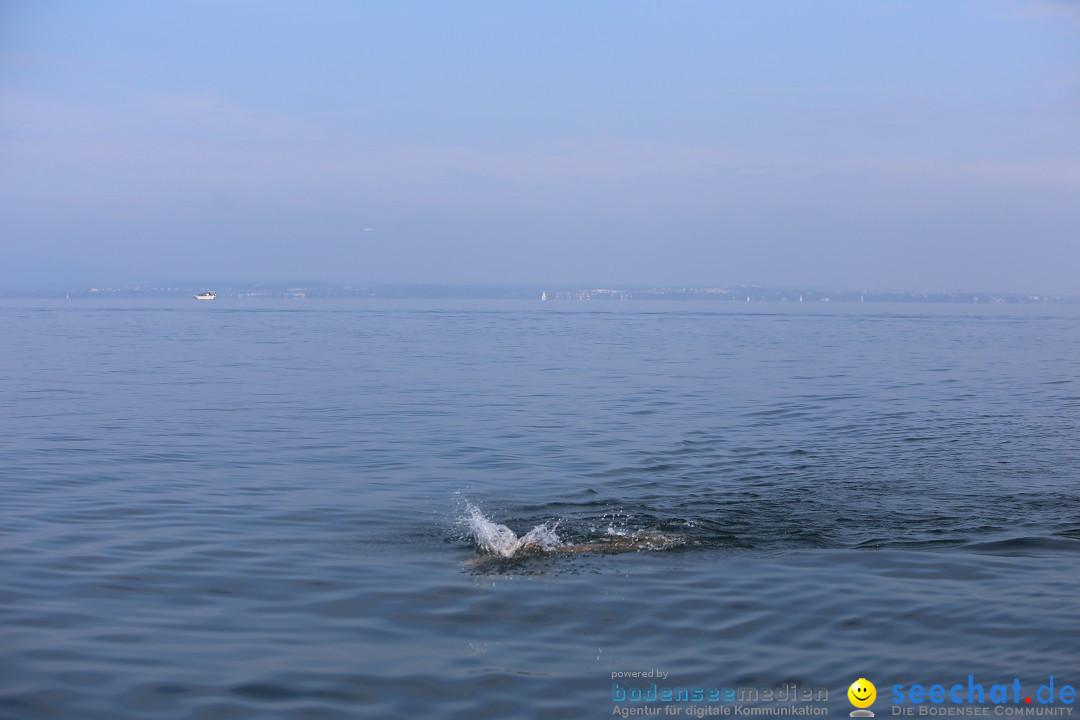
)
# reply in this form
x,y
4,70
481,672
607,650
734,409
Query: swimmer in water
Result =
x,y
498,541
615,544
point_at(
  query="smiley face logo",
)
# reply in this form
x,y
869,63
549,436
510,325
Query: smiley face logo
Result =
x,y
862,694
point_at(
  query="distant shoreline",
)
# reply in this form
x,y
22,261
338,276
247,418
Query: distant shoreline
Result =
x,y
552,293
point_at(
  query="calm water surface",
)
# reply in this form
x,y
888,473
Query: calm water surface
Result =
x,y
248,509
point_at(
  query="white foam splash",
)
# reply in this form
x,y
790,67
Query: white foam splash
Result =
x,y
491,537
644,539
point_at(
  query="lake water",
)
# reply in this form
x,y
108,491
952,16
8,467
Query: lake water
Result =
x,y
256,509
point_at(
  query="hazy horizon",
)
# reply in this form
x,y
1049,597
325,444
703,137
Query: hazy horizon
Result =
x,y
276,287
846,144
25,273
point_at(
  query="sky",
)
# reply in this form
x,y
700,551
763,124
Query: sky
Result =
x,y
856,144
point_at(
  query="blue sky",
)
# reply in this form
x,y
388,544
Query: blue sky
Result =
x,y
855,143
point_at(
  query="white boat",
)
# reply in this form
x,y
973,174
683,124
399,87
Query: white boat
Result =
x,y
208,295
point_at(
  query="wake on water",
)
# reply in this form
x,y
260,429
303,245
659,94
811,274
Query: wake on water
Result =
x,y
493,538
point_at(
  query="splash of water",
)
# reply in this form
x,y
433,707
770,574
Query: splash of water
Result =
x,y
619,540
491,537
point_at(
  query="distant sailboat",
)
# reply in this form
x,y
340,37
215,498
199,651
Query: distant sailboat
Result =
x,y
543,295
